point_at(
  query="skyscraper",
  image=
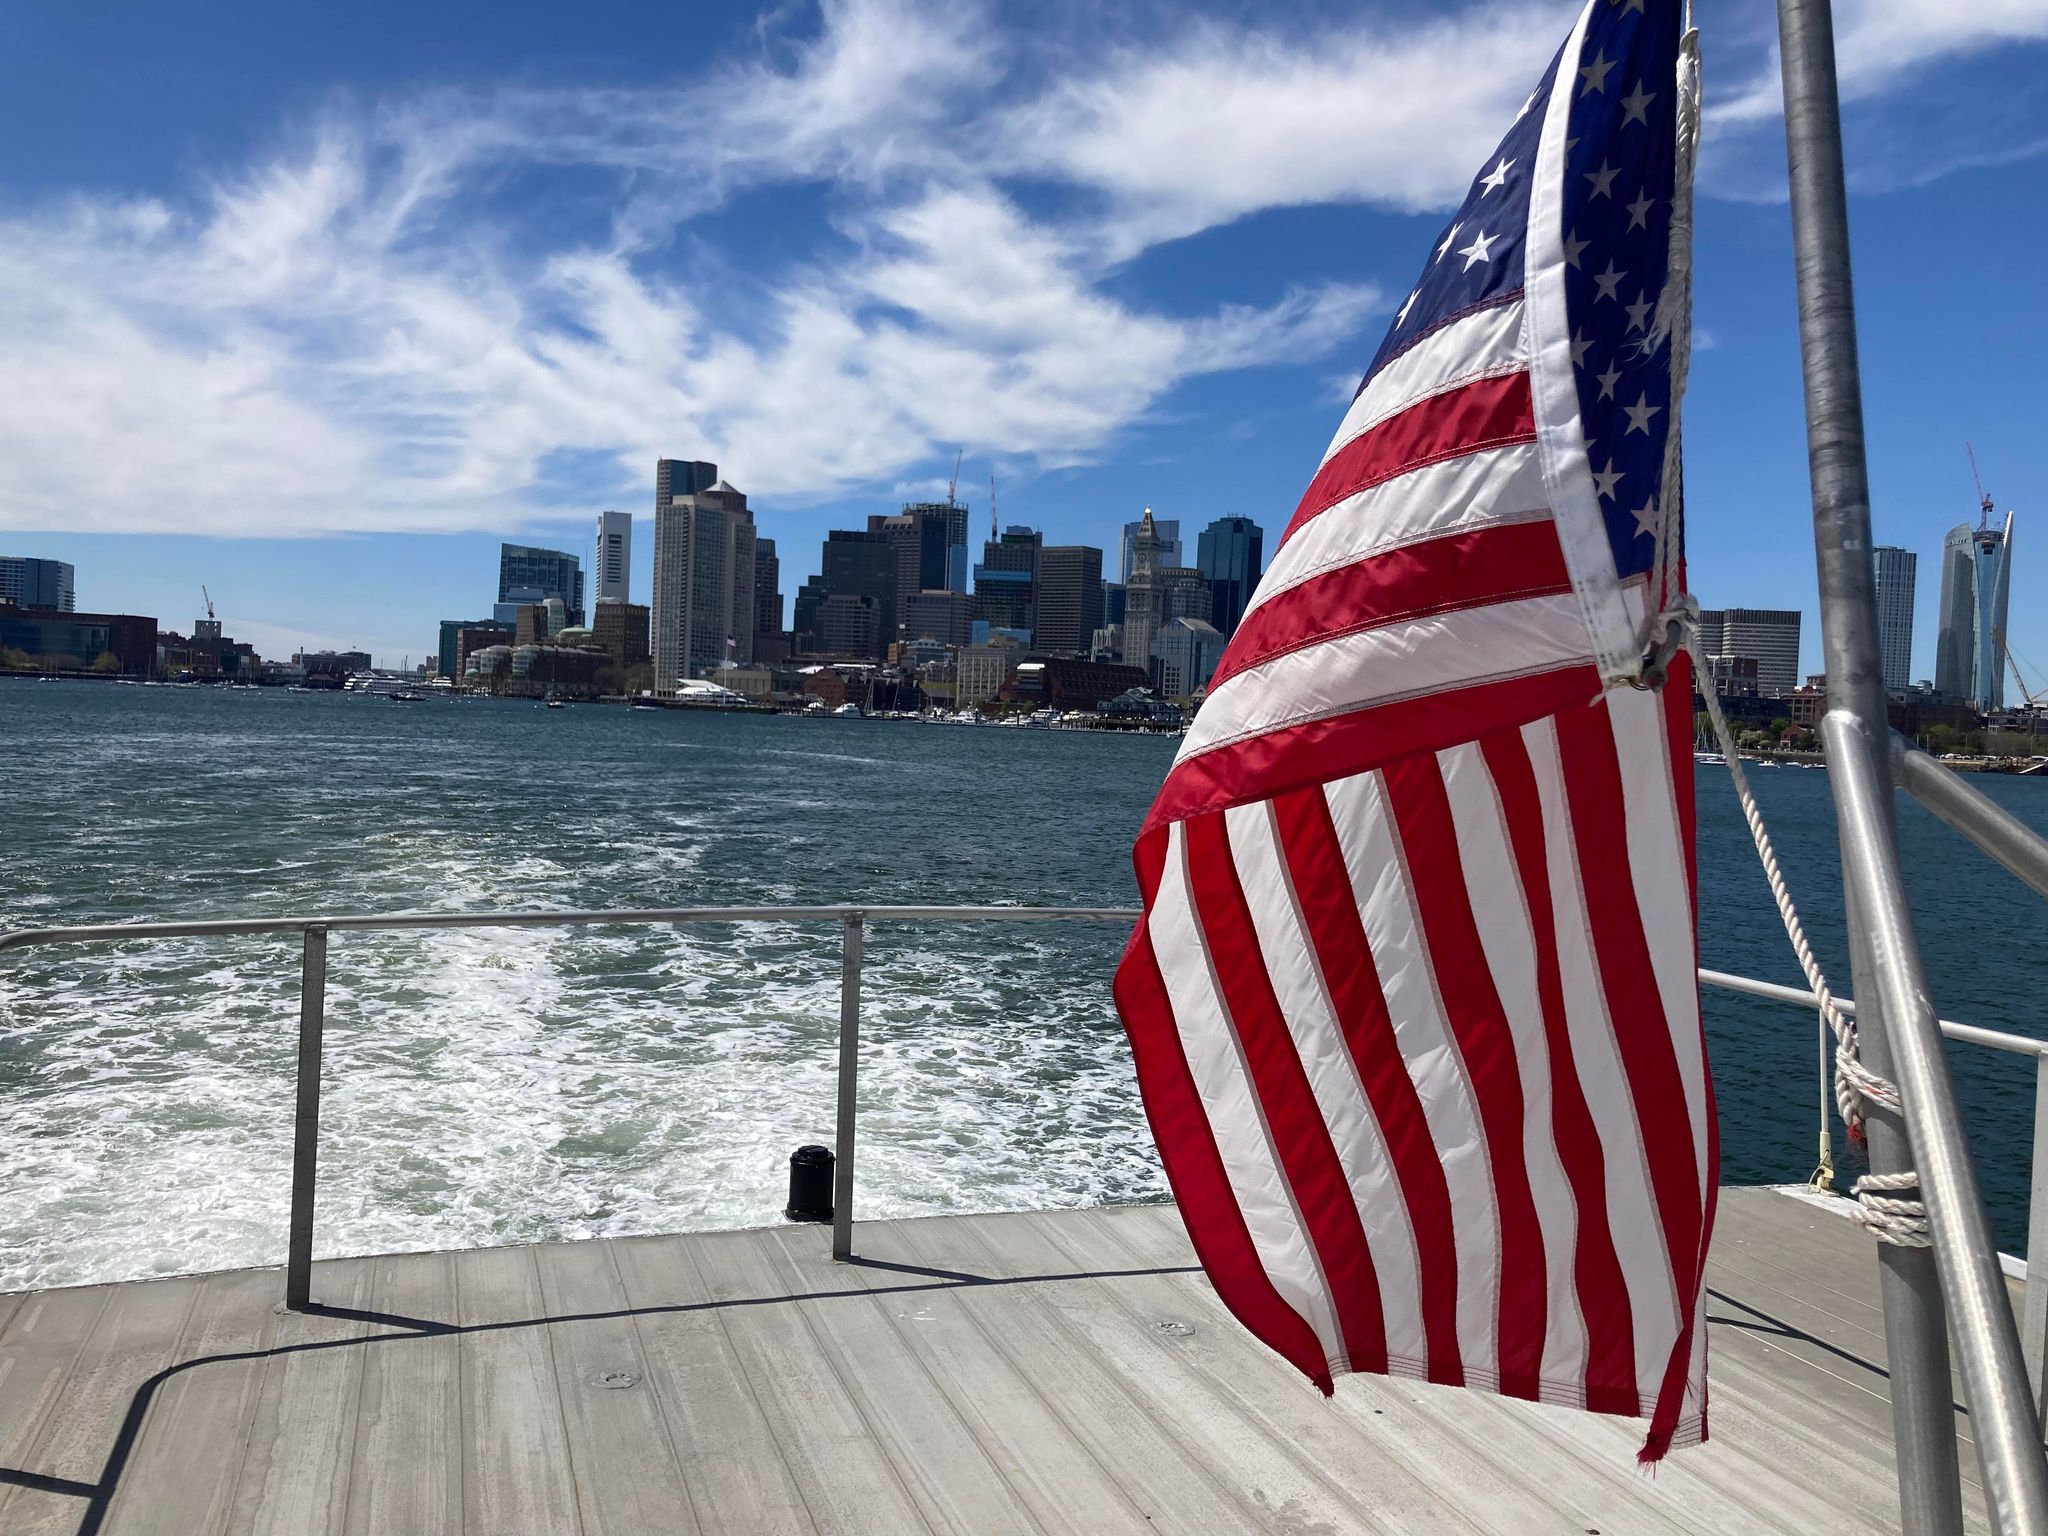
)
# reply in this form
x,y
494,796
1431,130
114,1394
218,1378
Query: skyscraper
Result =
x,y
1069,599
1006,581
1969,647
1143,555
1895,568
856,567
36,583
614,556
921,535
1165,530
769,641
530,575
703,575
1230,555
681,477
1767,636
954,515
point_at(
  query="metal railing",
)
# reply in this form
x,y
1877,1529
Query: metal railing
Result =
x,y
852,921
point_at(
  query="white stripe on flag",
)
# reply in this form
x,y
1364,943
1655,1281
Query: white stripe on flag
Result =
x,y
1475,490
1232,1109
1426,655
1481,346
1297,977
1656,857
1631,1203
1379,880
1506,934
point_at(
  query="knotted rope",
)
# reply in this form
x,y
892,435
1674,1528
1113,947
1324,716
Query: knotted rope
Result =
x,y
1888,1217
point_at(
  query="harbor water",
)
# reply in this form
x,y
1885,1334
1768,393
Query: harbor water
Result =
x,y
487,1087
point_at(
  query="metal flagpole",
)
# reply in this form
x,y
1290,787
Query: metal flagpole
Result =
x,y
1900,1037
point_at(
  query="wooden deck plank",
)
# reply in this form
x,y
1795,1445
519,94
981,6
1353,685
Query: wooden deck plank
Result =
x,y
1266,1430
848,1481
738,1478
132,1340
180,1477
409,1427
302,1429
1506,1463
1174,1489
516,1471
972,1374
628,1477
1044,1466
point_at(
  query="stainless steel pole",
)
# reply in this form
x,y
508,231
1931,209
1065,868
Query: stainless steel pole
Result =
x,y
851,934
298,1264
1899,1035
1999,833
2034,1310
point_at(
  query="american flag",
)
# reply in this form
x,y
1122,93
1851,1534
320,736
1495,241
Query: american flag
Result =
x,y
1413,1000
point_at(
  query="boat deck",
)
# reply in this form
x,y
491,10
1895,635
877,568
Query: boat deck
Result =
x,y
1063,1372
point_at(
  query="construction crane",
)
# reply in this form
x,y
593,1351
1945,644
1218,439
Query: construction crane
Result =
x,y
2031,699
209,599
993,536
953,485
1983,497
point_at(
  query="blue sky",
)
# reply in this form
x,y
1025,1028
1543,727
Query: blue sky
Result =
x,y
316,304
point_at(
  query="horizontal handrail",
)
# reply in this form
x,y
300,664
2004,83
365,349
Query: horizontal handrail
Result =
x,y
549,918
1974,1034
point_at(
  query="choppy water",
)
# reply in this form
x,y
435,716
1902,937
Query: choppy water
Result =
x,y
502,1086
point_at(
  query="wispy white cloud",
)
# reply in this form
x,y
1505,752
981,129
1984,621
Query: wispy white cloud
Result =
x,y
370,328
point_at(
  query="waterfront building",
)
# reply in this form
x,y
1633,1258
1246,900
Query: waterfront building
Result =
x,y
856,564
530,575
614,557
771,643
1185,652
983,669
1068,607
1144,555
1230,554
1069,683
1895,568
66,640
1166,537
449,651
704,599
1969,645
945,616
1767,636
28,581
621,630
469,639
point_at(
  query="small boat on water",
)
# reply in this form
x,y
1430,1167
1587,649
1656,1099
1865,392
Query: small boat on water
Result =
x,y
845,712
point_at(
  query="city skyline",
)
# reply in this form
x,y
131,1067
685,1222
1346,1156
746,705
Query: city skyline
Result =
x,y
1179,329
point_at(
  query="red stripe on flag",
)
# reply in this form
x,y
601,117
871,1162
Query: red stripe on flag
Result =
x,y
1293,1118
1336,746
1610,1381
1642,1033
1462,570
1488,413
1428,836
1194,1168
1322,884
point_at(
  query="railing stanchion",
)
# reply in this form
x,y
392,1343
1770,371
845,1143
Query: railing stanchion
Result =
x,y
849,1084
298,1264
2035,1309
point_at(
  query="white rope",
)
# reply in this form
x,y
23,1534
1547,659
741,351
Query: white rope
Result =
x,y
1887,1217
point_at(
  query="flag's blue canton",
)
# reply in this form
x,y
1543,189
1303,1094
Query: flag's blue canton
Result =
x,y
1617,200
1477,259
